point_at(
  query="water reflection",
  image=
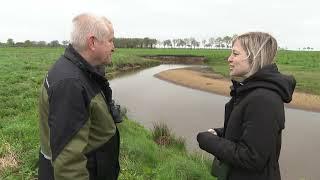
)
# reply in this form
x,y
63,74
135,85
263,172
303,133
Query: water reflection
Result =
x,y
188,111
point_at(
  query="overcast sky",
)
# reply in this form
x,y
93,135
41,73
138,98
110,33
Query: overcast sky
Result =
x,y
294,23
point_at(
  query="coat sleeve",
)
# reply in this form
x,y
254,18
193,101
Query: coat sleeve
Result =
x,y
257,142
69,129
219,131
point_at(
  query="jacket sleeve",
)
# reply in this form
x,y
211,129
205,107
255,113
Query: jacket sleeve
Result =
x,y
69,129
219,131
257,142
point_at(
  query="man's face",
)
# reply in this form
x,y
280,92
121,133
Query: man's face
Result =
x,y
104,49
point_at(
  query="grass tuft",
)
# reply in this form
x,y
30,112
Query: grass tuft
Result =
x,y
163,136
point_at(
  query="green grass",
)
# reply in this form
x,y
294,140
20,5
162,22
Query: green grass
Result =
x,y
304,66
21,75
142,158
163,136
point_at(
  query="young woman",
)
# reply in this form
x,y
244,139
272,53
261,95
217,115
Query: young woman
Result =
x,y
248,146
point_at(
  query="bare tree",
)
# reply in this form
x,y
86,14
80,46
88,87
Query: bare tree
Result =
x,y
181,43
65,43
159,43
194,43
187,42
204,42
167,43
227,41
175,42
212,40
218,42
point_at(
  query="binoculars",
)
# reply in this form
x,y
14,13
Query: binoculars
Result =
x,y
115,111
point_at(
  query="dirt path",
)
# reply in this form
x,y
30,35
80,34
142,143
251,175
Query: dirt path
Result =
x,y
204,79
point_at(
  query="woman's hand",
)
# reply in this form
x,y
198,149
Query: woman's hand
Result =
x,y
205,139
212,131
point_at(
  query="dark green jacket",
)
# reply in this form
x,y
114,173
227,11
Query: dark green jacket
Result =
x,y
77,132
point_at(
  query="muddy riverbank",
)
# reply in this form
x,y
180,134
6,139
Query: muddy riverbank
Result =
x,y
205,79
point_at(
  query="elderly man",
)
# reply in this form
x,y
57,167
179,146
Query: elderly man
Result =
x,y
79,138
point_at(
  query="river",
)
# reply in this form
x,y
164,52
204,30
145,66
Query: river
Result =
x,y
187,111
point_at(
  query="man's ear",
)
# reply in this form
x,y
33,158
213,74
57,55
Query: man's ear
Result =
x,y
91,42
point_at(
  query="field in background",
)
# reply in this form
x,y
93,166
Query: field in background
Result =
x,y
303,65
21,75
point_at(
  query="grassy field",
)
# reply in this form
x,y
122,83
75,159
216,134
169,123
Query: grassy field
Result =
x,y
141,158
21,74
303,65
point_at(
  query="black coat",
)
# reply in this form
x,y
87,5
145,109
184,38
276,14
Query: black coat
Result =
x,y
250,141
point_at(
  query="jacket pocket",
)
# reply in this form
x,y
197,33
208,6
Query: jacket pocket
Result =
x,y
220,169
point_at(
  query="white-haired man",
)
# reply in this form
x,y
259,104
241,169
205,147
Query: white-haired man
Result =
x,y
79,139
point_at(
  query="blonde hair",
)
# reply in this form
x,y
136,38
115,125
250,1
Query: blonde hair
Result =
x,y
261,49
85,24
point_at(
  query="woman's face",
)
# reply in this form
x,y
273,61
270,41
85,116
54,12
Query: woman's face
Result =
x,y
238,61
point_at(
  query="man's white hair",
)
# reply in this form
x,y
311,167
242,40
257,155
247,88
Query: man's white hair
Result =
x,y
85,25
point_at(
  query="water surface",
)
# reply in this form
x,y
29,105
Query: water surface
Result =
x,y
187,111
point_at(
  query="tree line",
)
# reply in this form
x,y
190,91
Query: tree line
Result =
x,y
212,42
219,42
27,43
